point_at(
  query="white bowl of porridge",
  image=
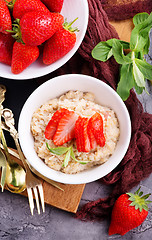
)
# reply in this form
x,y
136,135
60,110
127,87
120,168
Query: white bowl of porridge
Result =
x,y
73,102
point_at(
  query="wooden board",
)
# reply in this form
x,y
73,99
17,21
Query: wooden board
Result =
x,y
123,28
69,199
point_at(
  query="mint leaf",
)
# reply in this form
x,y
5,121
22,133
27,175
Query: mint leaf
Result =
x,y
139,18
139,90
118,53
146,47
144,67
138,76
101,52
140,34
125,45
66,159
126,82
57,150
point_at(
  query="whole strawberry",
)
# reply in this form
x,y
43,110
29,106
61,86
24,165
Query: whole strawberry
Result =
x,y
5,18
23,55
23,6
129,211
6,48
54,5
60,43
36,27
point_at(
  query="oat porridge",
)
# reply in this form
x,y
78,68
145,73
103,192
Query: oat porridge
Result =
x,y
84,106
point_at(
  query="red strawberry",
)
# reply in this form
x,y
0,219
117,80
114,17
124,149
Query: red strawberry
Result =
x,y
5,18
23,6
86,141
23,56
59,44
54,5
129,211
6,48
93,142
78,127
53,123
96,126
81,135
65,129
37,27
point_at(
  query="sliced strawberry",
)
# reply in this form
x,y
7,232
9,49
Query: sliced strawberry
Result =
x,y
52,125
93,142
78,136
65,129
81,135
96,126
86,141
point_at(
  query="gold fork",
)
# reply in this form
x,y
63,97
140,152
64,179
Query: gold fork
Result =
x,y
32,181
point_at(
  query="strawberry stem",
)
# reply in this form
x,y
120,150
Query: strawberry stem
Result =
x,y
16,31
139,201
10,4
68,27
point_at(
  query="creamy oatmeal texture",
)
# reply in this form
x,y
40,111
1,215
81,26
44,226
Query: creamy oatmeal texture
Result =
x,y
84,105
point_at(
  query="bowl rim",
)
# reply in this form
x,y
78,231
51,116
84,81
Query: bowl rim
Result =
x,y
46,69
60,177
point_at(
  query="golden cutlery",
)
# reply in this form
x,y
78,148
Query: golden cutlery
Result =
x,y
13,175
32,181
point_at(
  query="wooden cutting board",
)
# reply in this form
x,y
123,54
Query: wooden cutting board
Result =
x,y
69,199
123,28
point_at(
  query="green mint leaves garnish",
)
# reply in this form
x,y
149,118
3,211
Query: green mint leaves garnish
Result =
x,y
134,69
69,154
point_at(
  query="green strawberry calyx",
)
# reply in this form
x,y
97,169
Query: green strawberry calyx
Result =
x,y
16,31
138,200
68,26
10,4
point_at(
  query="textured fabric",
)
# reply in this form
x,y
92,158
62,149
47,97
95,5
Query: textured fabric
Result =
x,y
136,164
124,9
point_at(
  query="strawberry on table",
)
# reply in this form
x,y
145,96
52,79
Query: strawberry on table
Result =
x,y
5,18
6,48
65,128
53,123
23,6
37,27
23,55
129,211
60,43
54,5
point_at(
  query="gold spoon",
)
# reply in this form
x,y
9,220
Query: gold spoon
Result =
x,y
15,174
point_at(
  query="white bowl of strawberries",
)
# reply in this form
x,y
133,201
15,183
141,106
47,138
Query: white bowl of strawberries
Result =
x,y
79,145
46,34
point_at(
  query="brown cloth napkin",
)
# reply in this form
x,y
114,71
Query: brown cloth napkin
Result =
x,y
124,9
136,164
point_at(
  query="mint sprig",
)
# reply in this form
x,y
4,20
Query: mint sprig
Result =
x,y
69,154
134,69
